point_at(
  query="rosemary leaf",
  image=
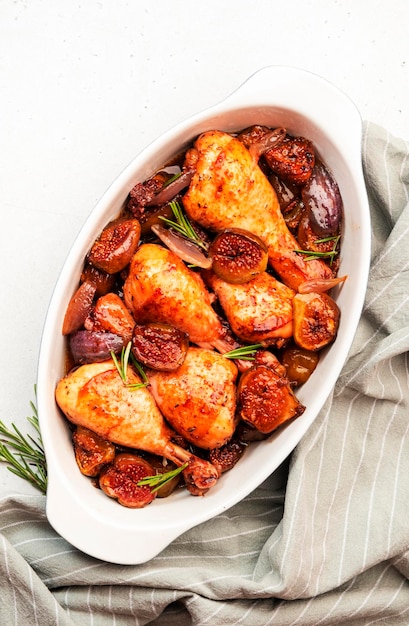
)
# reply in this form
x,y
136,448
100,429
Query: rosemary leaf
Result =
x,y
328,254
183,226
172,179
24,455
159,480
245,353
122,367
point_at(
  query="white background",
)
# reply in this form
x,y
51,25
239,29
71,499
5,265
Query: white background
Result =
x,y
85,85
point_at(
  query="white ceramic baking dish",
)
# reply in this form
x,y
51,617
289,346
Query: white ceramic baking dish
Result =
x,y
306,105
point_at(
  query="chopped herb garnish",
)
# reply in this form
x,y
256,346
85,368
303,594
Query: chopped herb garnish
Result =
x,y
183,226
245,353
122,367
172,179
24,454
328,254
159,480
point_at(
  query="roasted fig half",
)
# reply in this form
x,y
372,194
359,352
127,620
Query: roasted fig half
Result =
x,y
238,255
293,159
316,320
120,480
92,452
265,399
159,346
115,246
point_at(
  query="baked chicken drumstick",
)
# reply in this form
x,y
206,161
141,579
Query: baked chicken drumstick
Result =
x,y
95,396
199,398
228,187
161,288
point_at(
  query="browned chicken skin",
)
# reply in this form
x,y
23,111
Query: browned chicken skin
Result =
x,y
160,288
228,187
95,396
260,310
199,398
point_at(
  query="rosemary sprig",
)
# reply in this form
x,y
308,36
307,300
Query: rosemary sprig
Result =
x,y
172,179
24,454
122,367
328,254
182,225
245,353
159,480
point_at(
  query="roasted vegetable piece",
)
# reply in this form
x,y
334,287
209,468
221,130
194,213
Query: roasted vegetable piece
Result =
x,y
238,255
321,285
88,346
103,282
92,452
299,364
111,315
185,249
293,159
226,457
322,199
143,193
120,480
309,240
159,346
266,400
78,308
115,246
172,188
316,320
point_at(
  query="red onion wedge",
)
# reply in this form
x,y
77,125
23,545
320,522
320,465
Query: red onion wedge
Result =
x,y
78,307
88,346
319,285
182,247
169,191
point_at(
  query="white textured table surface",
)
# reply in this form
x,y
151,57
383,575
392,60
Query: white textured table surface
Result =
x,y
84,86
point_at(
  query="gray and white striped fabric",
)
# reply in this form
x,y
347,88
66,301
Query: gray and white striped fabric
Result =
x,y
331,547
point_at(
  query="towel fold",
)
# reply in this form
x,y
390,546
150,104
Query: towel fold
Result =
x,y
330,545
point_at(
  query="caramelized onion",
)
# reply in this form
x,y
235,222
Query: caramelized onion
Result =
x,y
168,192
319,285
88,346
182,247
78,308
